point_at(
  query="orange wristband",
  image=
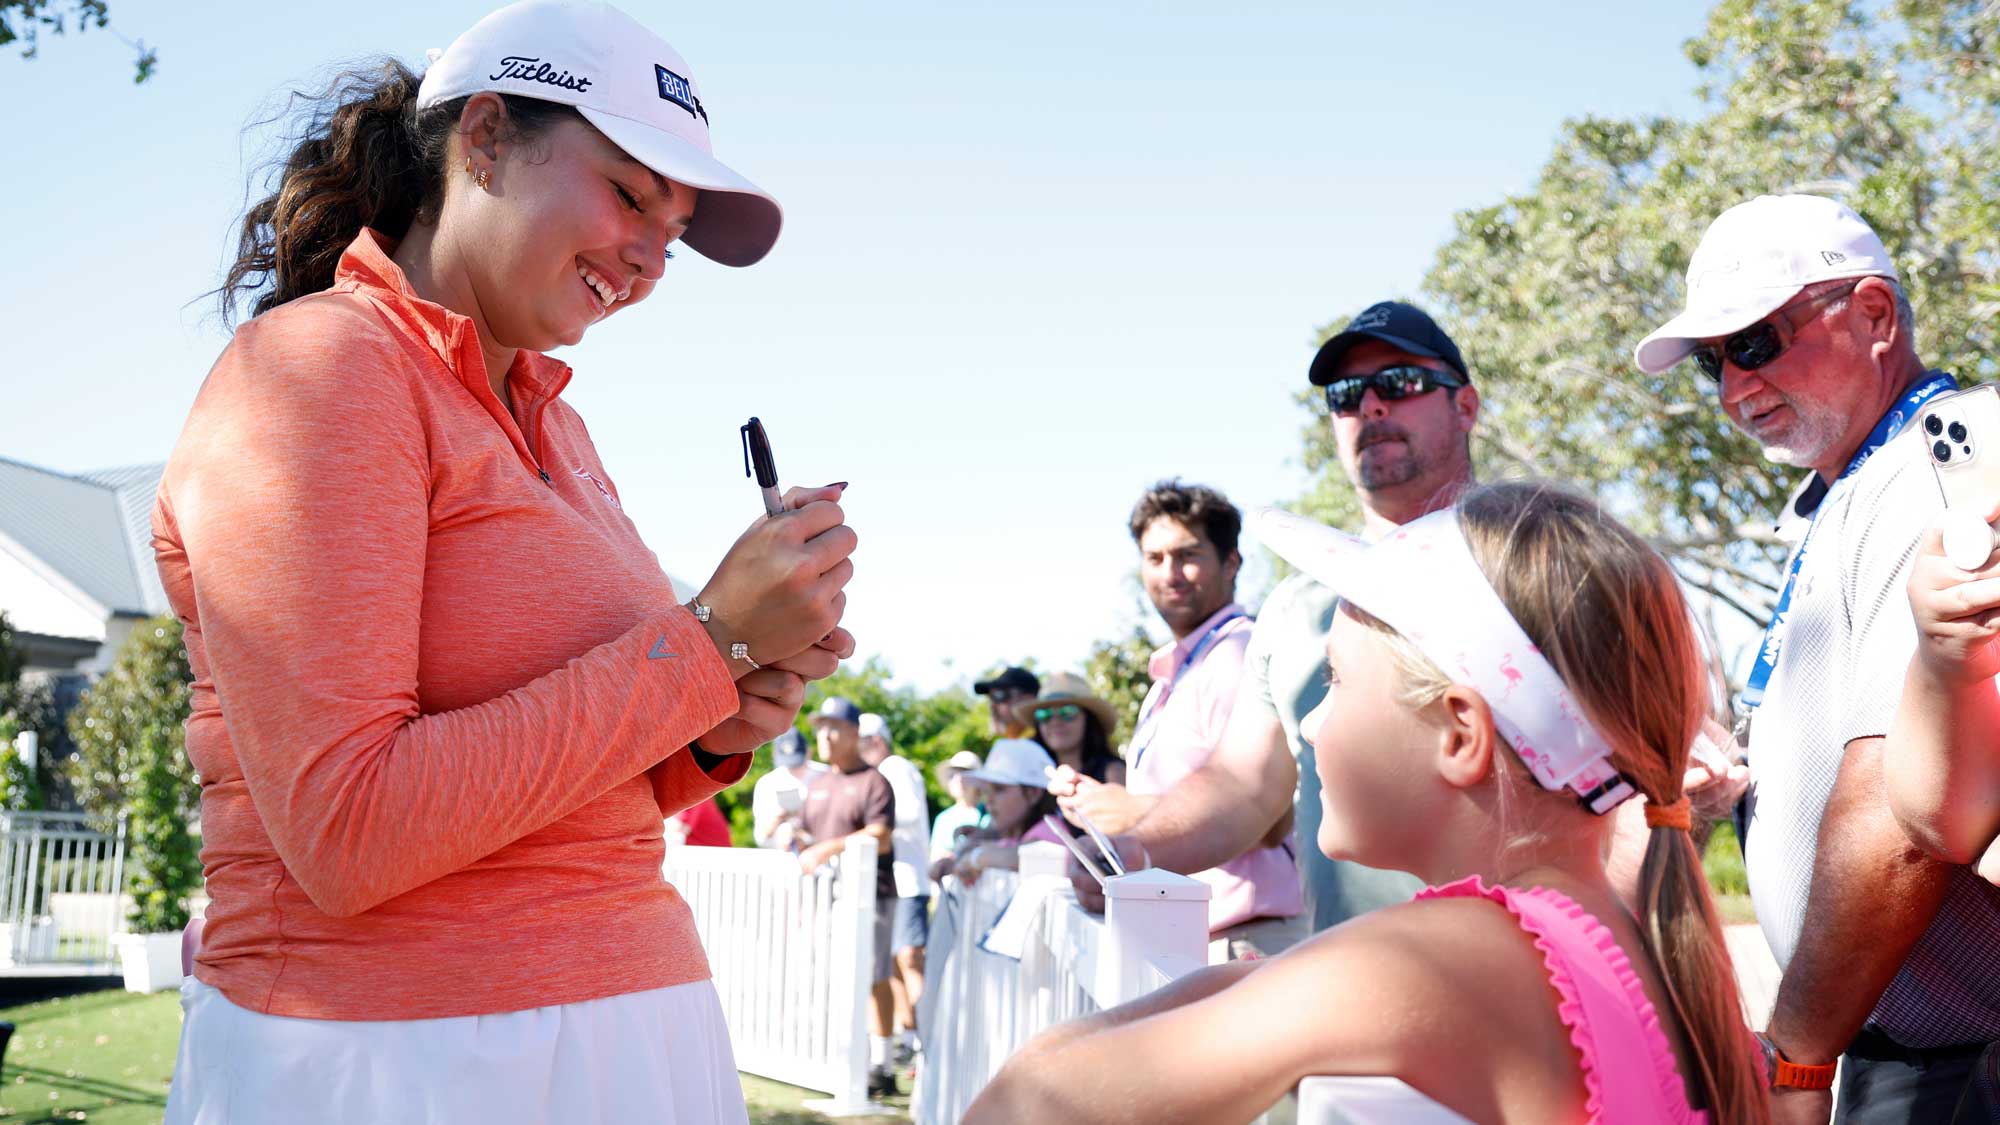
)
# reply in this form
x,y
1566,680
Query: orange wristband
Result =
x,y
1788,1075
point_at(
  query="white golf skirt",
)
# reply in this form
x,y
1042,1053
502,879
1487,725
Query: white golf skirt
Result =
x,y
657,1056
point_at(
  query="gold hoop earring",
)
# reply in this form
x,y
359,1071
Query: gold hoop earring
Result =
x,y
484,179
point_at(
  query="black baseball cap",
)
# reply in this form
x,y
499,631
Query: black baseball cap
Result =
x,y
1013,679
1396,324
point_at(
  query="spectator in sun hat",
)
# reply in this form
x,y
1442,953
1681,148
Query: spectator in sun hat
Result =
x,y
474,768
1007,696
780,795
1074,725
1799,327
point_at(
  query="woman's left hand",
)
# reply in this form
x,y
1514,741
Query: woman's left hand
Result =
x,y
822,659
767,704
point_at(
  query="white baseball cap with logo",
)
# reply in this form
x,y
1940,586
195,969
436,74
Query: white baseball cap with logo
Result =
x,y
632,87
1755,258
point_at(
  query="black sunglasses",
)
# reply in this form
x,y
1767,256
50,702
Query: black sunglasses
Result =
x,y
1343,395
1763,341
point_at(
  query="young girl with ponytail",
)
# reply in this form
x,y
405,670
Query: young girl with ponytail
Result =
x,y
1504,674
444,695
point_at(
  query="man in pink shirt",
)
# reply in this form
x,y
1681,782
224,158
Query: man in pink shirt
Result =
x,y
1188,562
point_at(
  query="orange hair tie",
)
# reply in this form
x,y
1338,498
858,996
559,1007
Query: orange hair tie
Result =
x,y
1679,815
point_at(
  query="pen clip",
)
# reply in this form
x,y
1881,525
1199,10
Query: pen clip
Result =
x,y
757,459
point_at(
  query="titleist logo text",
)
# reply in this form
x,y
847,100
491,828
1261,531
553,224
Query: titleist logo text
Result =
x,y
535,70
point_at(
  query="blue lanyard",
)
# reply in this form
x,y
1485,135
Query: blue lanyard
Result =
x,y
1891,424
1149,716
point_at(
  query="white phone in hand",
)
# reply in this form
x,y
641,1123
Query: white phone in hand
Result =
x,y
1962,433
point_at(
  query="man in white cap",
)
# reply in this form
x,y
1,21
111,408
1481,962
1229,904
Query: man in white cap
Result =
x,y
909,931
1796,317
780,795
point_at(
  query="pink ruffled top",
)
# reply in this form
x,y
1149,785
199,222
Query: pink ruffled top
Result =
x,y
1629,1071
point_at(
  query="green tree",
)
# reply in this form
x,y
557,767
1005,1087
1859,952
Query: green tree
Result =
x,y
1891,108
137,712
20,787
928,729
1119,670
129,733
12,661
25,21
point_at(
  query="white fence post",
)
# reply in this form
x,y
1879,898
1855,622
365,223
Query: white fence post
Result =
x,y
791,957
854,971
1155,929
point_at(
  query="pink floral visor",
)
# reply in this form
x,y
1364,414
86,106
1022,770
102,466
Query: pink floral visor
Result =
x,y
1422,582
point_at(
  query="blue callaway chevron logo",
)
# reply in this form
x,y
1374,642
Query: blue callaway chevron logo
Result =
x,y
659,651
679,91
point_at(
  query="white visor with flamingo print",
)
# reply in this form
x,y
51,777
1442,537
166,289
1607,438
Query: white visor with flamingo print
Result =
x,y
1422,582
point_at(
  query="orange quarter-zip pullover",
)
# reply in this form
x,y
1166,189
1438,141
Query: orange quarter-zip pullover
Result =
x,y
442,689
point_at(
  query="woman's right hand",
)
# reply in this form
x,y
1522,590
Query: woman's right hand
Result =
x,y
781,588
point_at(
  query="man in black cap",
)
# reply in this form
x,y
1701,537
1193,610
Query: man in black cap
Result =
x,y
1010,700
1402,407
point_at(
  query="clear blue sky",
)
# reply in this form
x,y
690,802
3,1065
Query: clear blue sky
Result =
x,y
1035,257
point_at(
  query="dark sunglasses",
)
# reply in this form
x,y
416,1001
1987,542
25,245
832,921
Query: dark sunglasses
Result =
x,y
1343,395
1765,340
1066,711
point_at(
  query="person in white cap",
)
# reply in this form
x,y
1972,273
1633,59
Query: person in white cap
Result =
x,y
779,797
909,931
964,814
1796,319
1018,804
446,693
1507,674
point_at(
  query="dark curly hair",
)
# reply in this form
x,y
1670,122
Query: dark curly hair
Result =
x,y
361,155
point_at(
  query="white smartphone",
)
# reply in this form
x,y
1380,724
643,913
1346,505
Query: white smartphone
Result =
x,y
1962,433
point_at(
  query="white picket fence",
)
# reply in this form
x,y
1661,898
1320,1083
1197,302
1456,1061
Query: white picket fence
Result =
x,y
791,957
980,1006
63,884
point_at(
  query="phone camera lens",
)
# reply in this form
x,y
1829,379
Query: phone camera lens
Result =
x,y
1932,425
1941,451
1958,432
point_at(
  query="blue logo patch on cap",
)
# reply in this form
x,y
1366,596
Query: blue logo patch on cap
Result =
x,y
679,91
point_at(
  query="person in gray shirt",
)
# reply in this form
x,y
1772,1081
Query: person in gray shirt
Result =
x,y
1402,409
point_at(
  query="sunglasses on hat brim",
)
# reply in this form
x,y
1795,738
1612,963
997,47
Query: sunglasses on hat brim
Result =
x,y
1343,395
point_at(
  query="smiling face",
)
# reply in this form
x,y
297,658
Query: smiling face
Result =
x,y
568,231
1373,752
1185,576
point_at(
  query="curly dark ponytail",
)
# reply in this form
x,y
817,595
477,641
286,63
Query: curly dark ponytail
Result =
x,y
363,155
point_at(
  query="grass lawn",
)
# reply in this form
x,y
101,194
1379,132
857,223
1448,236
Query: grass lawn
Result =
x,y
107,1057
102,1057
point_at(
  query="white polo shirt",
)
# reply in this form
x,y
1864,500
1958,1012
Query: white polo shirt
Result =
x,y
1847,643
